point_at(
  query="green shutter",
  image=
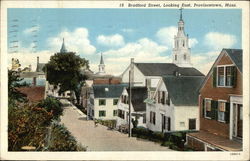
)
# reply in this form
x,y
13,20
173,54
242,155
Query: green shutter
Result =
x,y
214,110
214,76
227,113
203,108
234,76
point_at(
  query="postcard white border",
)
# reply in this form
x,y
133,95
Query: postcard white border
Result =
x,y
244,5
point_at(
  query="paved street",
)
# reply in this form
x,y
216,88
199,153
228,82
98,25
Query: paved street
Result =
x,y
100,138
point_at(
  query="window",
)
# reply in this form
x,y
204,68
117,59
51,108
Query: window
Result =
x,y
152,117
115,101
221,111
144,118
221,77
192,124
102,113
175,57
229,76
168,123
226,76
102,102
115,112
183,43
207,108
185,56
121,114
93,113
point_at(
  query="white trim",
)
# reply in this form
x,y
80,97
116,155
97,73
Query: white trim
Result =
x,y
205,107
217,76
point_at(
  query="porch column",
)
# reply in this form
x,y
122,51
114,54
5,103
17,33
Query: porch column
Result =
x,y
231,121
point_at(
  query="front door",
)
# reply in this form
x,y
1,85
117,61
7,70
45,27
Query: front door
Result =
x,y
239,121
163,123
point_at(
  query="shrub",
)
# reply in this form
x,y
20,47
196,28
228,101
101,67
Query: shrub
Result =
x,y
52,105
27,127
62,140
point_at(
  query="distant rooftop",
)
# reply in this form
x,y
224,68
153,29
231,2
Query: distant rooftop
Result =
x,y
108,90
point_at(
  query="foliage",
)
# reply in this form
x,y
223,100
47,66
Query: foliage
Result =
x,y
174,140
62,140
27,126
65,70
52,105
13,83
108,123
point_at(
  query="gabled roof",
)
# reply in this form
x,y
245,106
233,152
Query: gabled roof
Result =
x,y
108,90
183,90
161,69
139,94
236,56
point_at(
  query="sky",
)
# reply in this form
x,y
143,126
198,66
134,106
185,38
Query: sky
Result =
x,y
120,34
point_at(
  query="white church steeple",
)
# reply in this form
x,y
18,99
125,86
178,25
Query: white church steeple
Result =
x,y
101,66
181,50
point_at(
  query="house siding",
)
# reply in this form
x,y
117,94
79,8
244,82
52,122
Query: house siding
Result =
x,y
218,93
109,108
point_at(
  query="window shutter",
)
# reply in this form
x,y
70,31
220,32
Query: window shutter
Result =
x,y
213,110
203,108
234,76
214,76
227,113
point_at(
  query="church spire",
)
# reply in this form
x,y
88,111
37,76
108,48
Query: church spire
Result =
x,y
181,50
101,61
101,66
63,48
181,14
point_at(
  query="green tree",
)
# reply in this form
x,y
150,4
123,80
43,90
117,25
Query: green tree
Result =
x,y
65,70
14,82
52,105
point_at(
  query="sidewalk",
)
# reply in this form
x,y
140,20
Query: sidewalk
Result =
x,y
100,138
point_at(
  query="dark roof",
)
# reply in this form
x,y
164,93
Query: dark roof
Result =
x,y
161,69
183,90
34,93
139,94
236,56
114,90
39,67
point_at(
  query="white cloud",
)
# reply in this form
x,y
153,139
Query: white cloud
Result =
x,y
217,41
166,36
27,58
127,30
192,42
31,30
111,40
143,50
75,41
204,61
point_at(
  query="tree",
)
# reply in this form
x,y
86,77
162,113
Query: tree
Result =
x,y
65,71
14,82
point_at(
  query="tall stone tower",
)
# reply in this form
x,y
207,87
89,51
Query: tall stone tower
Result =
x,y
101,66
181,50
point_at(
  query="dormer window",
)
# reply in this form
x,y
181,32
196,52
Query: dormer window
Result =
x,y
226,75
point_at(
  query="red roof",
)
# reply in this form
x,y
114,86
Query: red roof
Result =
x,y
34,94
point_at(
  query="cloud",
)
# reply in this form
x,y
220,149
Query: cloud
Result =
x,y
166,36
143,50
75,41
27,58
31,30
127,30
111,40
192,42
217,41
204,61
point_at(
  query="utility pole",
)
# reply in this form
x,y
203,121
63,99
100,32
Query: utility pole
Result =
x,y
131,81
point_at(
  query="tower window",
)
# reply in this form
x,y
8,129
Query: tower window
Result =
x,y
175,57
183,43
185,56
